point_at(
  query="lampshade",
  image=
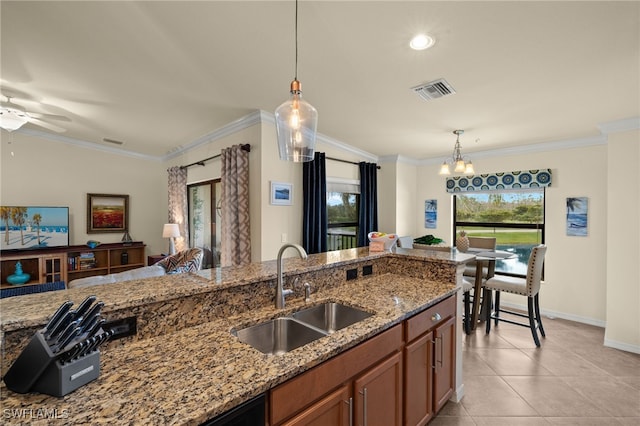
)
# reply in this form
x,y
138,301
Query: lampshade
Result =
x,y
12,119
457,160
296,120
170,230
296,124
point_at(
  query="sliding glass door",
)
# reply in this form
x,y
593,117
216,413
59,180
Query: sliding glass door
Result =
x,y
204,220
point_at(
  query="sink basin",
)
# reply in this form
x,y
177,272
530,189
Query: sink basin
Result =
x,y
331,316
278,336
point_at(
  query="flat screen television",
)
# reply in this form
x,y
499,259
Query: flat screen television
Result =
x,y
23,228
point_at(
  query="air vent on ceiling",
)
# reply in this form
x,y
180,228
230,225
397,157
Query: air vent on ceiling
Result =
x,y
113,141
434,89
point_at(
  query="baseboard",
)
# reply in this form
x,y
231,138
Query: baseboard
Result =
x,y
622,346
458,394
553,314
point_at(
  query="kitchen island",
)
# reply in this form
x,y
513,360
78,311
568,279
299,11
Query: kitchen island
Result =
x,y
191,369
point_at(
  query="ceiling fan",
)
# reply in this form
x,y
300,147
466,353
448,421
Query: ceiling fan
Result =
x,y
13,116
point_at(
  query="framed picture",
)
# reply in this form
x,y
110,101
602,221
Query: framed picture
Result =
x,y
577,216
107,213
430,214
281,193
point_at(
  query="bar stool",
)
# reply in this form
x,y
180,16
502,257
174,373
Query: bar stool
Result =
x,y
528,287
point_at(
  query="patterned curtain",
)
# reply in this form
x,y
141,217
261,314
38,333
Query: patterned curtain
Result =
x,y
539,178
368,213
236,238
314,214
178,205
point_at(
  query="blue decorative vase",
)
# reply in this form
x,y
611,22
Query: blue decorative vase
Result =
x,y
19,277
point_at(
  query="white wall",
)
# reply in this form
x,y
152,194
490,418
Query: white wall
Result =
x,y
50,173
623,238
575,267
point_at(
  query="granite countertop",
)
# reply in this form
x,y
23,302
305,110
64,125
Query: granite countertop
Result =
x,y
194,374
33,310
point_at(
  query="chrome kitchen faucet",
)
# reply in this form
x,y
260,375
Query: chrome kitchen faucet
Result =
x,y
280,292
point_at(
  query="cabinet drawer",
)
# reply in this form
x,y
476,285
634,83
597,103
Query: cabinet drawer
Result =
x,y
426,320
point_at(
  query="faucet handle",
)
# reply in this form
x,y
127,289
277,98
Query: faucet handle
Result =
x,y
307,292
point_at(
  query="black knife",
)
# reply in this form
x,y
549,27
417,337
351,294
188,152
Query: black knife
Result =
x,y
84,306
67,340
63,336
96,326
93,312
88,326
60,326
63,309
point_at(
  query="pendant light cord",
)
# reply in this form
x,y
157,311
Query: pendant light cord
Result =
x,y
296,32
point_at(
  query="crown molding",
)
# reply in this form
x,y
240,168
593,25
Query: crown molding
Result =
x,y
260,116
242,123
624,125
88,145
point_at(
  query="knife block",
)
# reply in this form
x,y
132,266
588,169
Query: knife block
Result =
x,y
37,369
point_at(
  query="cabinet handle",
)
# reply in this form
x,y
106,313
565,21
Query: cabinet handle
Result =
x,y
363,392
350,404
439,361
436,317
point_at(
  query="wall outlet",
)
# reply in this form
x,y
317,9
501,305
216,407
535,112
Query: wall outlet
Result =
x,y
352,274
121,327
283,238
367,270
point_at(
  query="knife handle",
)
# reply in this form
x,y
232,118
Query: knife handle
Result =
x,y
85,305
58,315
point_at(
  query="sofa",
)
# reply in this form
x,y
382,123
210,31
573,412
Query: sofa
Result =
x,y
189,260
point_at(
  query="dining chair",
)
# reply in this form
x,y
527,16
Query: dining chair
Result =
x,y
487,243
528,287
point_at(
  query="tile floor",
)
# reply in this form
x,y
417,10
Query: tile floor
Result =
x,y
572,379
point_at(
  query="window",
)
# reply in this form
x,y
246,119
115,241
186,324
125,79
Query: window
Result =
x,y
515,218
342,213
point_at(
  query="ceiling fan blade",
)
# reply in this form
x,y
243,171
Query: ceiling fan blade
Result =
x,y
46,125
48,116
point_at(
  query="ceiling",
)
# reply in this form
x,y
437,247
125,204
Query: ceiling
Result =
x,y
159,75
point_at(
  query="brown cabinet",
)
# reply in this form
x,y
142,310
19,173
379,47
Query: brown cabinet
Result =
x,y
378,394
41,266
363,383
382,381
83,261
429,376
333,409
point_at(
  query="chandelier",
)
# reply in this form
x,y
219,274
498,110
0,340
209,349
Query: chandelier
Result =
x,y
296,120
457,161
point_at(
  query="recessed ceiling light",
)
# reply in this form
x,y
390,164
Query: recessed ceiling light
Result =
x,y
422,42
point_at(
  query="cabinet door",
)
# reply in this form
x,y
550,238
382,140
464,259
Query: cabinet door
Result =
x,y
378,394
418,381
52,269
444,361
334,409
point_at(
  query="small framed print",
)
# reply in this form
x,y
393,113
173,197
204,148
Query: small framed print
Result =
x,y
107,213
281,193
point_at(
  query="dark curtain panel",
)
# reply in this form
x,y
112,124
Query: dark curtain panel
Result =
x,y
314,220
368,213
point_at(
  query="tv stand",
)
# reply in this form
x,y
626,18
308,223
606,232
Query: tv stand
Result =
x,y
63,264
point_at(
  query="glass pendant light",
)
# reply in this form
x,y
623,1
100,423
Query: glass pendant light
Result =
x,y
296,120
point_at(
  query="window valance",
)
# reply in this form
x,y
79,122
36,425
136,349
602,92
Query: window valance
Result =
x,y
498,181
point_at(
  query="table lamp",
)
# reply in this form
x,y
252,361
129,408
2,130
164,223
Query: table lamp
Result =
x,y
171,231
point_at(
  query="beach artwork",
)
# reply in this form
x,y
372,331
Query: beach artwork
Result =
x,y
32,227
431,214
281,193
577,215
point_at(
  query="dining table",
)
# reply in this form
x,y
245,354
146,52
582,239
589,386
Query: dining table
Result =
x,y
488,257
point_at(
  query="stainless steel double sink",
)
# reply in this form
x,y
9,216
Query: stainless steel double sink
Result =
x,y
285,334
